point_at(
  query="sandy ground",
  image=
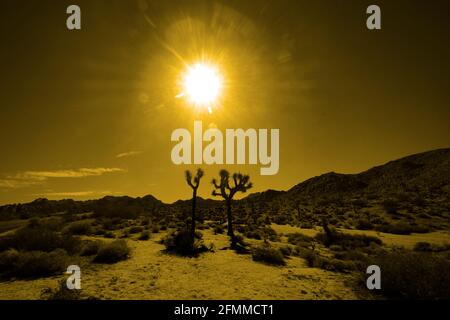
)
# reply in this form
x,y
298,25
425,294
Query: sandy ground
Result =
x,y
152,274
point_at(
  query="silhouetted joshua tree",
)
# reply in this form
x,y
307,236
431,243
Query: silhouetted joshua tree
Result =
x,y
226,189
194,183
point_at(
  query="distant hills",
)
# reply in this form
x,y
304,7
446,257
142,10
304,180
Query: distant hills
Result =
x,y
427,172
420,177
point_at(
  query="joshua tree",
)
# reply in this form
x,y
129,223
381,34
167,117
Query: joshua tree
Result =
x,y
226,189
194,183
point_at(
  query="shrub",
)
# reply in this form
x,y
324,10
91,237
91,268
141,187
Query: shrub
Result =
x,y
99,232
145,235
413,275
428,247
181,243
286,251
90,247
219,229
296,238
306,225
390,205
155,228
124,235
135,229
145,222
423,246
79,228
60,293
364,224
32,264
402,228
113,252
253,235
353,255
39,239
53,223
109,234
347,241
268,255
314,260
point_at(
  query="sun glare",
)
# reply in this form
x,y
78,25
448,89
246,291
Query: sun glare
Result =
x,y
202,85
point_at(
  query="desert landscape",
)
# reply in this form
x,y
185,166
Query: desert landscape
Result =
x,y
313,241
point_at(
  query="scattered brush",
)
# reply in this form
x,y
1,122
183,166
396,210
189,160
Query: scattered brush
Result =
x,y
113,252
269,255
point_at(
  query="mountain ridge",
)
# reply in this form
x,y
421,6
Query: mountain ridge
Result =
x,y
426,173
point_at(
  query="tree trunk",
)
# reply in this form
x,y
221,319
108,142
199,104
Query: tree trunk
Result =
x,y
230,219
230,232
194,202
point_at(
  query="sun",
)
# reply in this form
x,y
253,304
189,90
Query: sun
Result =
x,y
202,85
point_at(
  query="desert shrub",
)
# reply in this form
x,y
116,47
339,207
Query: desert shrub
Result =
x,y
219,229
360,203
364,224
172,225
312,258
32,264
390,205
109,234
423,246
280,219
315,260
306,225
337,265
135,229
90,247
347,241
202,226
60,293
353,255
268,233
113,252
145,235
268,255
296,238
402,228
108,224
286,251
181,243
413,275
155,228
53,223
145,222
239,239
428,247
39,239
79,228
253,235
125,234
34,222
98,232
336,247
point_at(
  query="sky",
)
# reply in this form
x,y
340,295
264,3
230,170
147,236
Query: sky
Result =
x,y
90,112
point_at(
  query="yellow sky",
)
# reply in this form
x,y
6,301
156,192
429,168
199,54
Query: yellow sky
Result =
x,y
88,113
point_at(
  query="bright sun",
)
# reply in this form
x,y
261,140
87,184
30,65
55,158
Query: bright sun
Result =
x,y
202,84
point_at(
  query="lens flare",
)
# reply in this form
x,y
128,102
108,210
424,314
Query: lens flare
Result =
x,y
202,85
